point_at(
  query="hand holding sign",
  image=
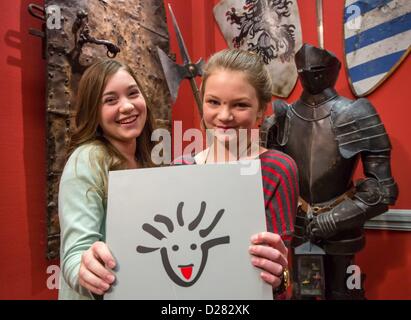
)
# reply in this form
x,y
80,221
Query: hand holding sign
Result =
x,y
269,254
94,272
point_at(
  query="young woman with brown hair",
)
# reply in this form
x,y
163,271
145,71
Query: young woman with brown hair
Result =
x,y
113,131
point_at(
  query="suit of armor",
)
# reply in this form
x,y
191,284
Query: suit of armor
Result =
x,y
327,134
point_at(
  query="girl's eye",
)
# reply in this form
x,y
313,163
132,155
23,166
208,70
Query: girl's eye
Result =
x,y
110,100
242,105
212,102
134,94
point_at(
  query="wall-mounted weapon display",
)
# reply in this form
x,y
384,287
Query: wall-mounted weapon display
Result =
x,y
175,73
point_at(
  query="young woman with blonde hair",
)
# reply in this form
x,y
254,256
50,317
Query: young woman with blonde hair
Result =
x,y
236,89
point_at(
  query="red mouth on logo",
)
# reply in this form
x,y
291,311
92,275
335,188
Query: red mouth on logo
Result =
x,y
186,270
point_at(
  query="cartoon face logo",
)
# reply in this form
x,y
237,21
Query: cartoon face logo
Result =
x,y
184,263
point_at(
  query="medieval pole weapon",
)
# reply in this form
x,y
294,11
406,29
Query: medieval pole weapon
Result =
x,y
175,73
320,23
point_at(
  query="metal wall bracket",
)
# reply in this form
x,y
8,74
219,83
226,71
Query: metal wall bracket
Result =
x,y
395,219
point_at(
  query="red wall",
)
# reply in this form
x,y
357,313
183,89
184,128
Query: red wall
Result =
x,y
23,275
22,146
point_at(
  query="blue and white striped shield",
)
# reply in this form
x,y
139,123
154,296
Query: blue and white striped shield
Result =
x,y
377,37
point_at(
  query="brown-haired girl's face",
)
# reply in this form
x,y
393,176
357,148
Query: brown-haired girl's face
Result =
x,y
123,110
230,104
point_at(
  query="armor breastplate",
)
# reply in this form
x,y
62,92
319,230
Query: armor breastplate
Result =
x,y
313,145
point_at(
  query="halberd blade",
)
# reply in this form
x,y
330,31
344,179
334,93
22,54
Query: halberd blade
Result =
x,y
173,73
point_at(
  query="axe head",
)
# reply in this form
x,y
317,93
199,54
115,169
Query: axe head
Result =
x,y
173,72
200,67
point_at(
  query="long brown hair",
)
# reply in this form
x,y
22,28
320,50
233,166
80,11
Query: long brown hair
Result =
x,y
88,106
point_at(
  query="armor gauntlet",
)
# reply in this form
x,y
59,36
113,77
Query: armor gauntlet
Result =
x,y
351,213
372,197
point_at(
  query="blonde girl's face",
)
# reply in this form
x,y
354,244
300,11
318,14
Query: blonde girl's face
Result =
x,y
123,110
230,104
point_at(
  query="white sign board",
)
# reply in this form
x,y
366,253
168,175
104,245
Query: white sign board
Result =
x,y
183,232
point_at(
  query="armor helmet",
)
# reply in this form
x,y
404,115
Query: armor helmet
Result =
x,y
317,68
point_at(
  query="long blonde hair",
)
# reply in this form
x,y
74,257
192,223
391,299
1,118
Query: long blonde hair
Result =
x,y
88,130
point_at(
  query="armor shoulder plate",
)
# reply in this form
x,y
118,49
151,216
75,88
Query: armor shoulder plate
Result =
x,y
358,127
280,128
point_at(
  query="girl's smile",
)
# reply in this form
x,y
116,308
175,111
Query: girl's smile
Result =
x,y
230,104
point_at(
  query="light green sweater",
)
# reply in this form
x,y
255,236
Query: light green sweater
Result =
x,y
82,214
